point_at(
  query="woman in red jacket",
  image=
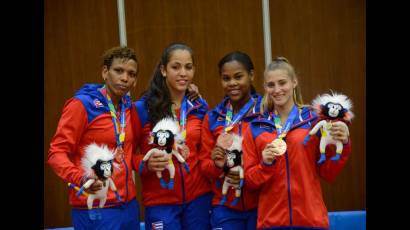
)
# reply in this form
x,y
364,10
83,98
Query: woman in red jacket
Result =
x,y
279,165
231,116
185,202
101,114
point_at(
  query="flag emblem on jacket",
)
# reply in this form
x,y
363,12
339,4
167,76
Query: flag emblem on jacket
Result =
x,y
98,103
157,225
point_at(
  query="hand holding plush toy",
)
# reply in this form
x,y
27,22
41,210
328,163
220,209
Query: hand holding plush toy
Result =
x,y
333,110
165,137
232,144
97,162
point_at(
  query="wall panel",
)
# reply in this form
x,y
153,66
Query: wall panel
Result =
x,y
76,34
325,41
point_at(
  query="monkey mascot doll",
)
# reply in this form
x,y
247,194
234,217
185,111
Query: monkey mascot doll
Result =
x,y
165,137
330,108
233,164
97,161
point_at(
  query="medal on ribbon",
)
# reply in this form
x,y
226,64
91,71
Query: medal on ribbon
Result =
x,y
119,154
182,148
280,145
278,142
225,139
118,128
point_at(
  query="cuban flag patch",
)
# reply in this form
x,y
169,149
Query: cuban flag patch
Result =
x,y
157,225
98,103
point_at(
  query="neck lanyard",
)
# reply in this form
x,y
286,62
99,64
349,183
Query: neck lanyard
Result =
x,y
118,128
238,116
281,133
182,117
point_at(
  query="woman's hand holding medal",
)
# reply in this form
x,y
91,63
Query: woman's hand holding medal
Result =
x,y
272,150
279,147
223,142
119,154
183,149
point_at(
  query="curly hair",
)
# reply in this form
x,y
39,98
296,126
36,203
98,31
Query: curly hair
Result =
x,y
121,52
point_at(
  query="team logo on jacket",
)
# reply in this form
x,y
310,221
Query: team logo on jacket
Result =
x,y
157,225
220,118
98,103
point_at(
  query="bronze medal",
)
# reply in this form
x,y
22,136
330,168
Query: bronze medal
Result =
x,y
119,154
184,150
224,140
280,145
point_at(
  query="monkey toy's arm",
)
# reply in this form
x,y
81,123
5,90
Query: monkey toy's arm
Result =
x,y
314,130
114,188
86,185
180,159
317,127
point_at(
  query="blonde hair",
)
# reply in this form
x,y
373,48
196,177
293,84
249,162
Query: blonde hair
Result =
x,y
283,64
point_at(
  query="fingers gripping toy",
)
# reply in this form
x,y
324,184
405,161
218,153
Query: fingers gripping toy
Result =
x,y
97,161
164,139
330,108
233,164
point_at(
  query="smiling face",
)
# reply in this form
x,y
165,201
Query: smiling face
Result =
x,y
120,77
179,71
279,86
236,82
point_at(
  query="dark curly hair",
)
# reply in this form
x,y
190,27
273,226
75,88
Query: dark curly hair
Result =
x,y
121,52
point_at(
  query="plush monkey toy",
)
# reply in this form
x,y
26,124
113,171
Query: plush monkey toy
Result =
x,y
233,164
164,135
97,161
330,108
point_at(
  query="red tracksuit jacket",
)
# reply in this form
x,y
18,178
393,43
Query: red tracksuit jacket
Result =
x,y
290,191
212,127
86,119
188,186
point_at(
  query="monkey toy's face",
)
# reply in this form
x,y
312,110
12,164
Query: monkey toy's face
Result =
x,y
163,137
334,110
103,169
232,158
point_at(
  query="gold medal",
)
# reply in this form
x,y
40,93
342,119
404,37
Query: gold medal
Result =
x,y
184,151
280,145
224,140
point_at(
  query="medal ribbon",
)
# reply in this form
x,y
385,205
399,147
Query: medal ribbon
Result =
x,y
182,117
238,116
281,133
118,128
